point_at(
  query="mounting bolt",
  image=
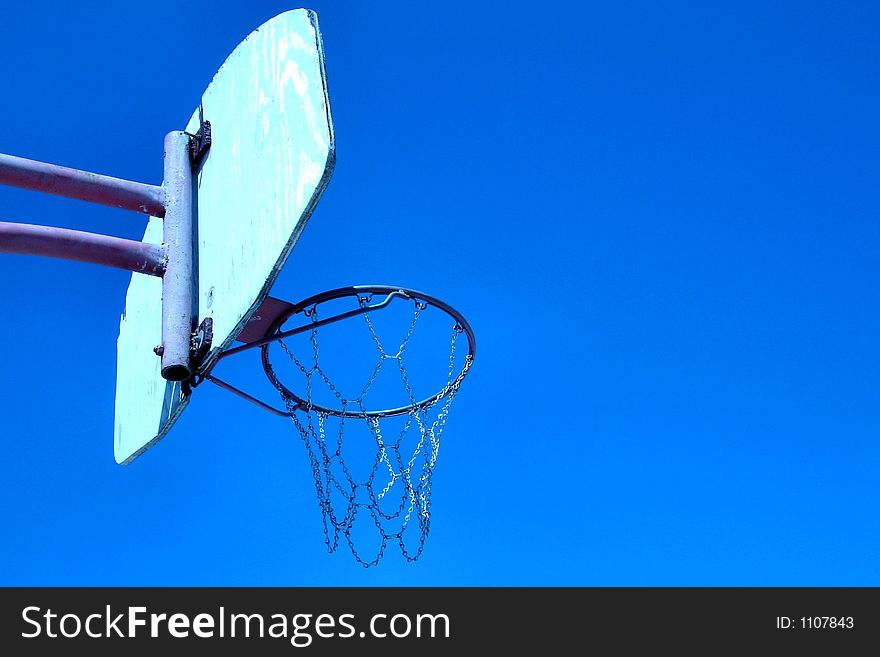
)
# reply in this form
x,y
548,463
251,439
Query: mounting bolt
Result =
x,y
159,350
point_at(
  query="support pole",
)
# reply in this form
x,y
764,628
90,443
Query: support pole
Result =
x,y
28,239
82,185
177,283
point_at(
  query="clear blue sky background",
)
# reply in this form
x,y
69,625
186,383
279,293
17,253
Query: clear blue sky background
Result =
x,y
661,220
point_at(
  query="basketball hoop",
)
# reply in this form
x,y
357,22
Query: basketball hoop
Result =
x,y
396,486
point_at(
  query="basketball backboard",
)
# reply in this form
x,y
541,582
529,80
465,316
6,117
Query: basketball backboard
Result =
x,y
271,156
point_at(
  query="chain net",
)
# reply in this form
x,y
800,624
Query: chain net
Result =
x,y
393,490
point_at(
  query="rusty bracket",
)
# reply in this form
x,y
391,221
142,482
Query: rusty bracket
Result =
x,y
201,342
199,348
199,144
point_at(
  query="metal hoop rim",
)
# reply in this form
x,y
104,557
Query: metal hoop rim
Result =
x,y
355,290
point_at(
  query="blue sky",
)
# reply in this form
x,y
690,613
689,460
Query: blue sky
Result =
x,y
661,222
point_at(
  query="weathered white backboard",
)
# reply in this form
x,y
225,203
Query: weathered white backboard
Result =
x,y
271,157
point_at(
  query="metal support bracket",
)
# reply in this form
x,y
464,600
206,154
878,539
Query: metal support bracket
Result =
x,y
274,336
200,345
199,144
173,261
201,342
